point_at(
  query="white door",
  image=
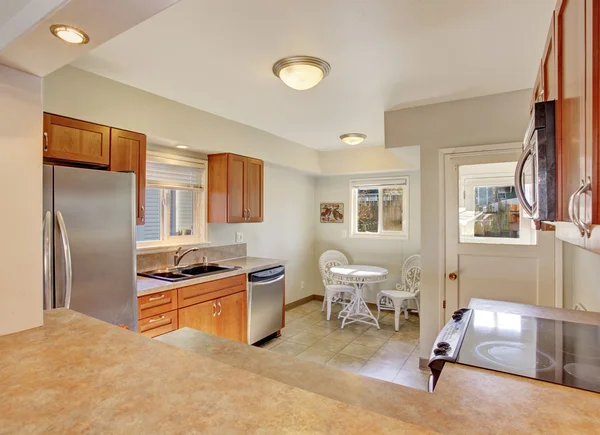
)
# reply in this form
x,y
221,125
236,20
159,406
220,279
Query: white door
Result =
x,y
492,249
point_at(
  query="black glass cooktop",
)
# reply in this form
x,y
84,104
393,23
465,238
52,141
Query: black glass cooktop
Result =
x,y
550,350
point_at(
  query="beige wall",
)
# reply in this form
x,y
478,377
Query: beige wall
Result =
x,y
368,160
80,94
288,231
581,275
21,219
493,119
385,253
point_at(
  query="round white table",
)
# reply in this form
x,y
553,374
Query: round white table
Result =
x,y
359,275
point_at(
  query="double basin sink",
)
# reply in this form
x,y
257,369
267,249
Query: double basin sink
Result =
x,y
191,271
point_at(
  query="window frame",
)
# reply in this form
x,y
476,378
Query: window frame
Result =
x,y
380,183
199,228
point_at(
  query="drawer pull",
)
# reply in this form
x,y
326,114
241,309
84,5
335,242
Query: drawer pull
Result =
x,y
156,298
220,308
214,309
156,320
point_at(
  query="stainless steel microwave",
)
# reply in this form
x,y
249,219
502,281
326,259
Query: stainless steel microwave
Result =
x,y
535,176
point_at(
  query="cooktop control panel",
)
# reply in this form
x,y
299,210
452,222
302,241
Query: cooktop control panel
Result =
x,y
447,344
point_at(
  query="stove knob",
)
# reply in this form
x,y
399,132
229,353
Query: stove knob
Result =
x,y
457,316
443,345
437,351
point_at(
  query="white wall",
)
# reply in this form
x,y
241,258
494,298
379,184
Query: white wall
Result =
x,y
581,278
288,231
492,119
79,94
389,254
21,220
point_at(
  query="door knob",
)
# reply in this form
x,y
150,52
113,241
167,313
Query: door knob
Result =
x,y
452,276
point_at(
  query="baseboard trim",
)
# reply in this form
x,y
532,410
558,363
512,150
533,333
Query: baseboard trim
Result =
x,y
300,302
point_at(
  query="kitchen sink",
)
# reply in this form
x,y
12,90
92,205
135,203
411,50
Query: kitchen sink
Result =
x,y
190,271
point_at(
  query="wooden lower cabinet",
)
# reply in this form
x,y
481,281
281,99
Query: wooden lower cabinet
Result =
x,y
159,324
225,317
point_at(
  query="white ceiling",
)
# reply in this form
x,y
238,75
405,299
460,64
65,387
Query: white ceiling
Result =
x,y
217,56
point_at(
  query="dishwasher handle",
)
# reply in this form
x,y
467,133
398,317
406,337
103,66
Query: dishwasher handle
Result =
x,y
270,281
267,276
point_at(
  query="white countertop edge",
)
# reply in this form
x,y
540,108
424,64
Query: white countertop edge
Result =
x,y
148,286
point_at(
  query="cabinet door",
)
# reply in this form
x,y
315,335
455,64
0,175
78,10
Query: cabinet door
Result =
x,y
549,74
571,104
254,197
200,316
232,317
237,185
128,153
75,141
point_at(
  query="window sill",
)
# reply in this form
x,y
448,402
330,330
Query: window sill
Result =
x,y
153,249
379,236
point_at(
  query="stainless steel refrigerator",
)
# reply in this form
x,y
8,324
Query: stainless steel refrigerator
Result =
x,y
89,243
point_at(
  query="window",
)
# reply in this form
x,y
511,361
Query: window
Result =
x,y
379,207
175,201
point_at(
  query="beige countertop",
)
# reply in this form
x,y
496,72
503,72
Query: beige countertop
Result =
x,y
80,375
484,401
146,286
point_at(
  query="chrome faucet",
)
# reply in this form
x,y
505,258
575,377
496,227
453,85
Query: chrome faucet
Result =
x,y
178,257
205,261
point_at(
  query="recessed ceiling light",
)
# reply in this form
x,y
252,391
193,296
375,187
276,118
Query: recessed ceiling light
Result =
x,y
181,146
353,138
69,34
301,72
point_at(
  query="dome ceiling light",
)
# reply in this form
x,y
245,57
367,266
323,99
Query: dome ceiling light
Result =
x,y
301,72
69,34
353,138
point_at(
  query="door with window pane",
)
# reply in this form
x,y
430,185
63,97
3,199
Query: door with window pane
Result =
x,y
492,248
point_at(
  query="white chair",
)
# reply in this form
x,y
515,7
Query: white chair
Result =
x,y
408,290
335,292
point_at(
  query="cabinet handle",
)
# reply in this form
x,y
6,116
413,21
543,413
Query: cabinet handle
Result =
x,y
155,298
143,213
574,208
220,308
584,227
214,309
156,320
248,214
45,141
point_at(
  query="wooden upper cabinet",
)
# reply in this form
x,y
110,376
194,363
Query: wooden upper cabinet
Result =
x,y
237,182
75,141
128,153
538,91
235,189
570,34
254,191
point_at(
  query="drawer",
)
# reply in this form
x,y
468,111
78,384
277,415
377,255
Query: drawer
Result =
x,y
198,293
157,325
157,303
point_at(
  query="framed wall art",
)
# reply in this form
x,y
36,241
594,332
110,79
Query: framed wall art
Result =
x,y
332,212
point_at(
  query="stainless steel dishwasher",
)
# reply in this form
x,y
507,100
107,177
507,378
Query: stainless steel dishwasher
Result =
x,y
265,303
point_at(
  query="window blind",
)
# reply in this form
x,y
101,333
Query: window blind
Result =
x,y
383,182
174,176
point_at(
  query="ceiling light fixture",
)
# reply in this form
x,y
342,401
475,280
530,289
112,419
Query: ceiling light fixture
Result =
x,y
181,146
353,138
301,72
69,34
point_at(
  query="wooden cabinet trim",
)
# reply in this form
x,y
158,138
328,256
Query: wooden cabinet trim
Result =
x,y
198,293
157,303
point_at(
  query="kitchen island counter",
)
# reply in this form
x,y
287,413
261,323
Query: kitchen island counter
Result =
x,y
80,375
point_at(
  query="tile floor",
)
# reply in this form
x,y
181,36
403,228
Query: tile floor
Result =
x,y
383,354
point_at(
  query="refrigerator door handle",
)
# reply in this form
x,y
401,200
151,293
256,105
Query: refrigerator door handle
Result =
x,y
67,251
48,270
